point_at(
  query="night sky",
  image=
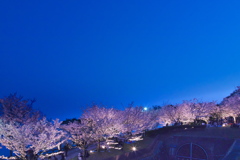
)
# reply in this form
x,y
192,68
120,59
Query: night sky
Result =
x,y
69,54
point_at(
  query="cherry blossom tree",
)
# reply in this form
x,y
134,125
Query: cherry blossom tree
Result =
x,y
81,134
136,120
105,122
231,104
169,114
132,119
186,113
148,120
38,136
15,108
194,110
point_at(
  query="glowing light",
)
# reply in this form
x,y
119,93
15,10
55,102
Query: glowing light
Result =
x,y
91,151
103,147
185,128
139,138
145,108
134,148
109,142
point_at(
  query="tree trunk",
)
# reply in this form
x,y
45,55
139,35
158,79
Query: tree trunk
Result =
x,y
98,147
84,154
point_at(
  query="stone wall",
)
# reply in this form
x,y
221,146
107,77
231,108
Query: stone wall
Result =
x,y
215,148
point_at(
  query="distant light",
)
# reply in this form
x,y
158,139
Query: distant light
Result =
x,y
145,108
103,147
185,128
134,148
91,151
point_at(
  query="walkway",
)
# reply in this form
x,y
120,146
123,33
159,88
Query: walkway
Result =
x,y
234,151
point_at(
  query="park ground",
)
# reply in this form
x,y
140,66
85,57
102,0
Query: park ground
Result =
x,y
162,134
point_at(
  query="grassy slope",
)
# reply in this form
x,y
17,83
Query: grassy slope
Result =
x,y
148,140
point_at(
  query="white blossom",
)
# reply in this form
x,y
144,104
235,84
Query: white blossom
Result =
x,y
39,137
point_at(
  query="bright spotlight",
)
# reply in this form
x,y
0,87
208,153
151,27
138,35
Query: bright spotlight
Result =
x,y
134,148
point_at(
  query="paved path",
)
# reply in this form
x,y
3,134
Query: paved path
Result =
x,y
234,151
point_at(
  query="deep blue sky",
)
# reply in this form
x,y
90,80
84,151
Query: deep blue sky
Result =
x,y
70,54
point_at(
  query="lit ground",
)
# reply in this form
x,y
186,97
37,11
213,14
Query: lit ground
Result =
x,y
112,152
